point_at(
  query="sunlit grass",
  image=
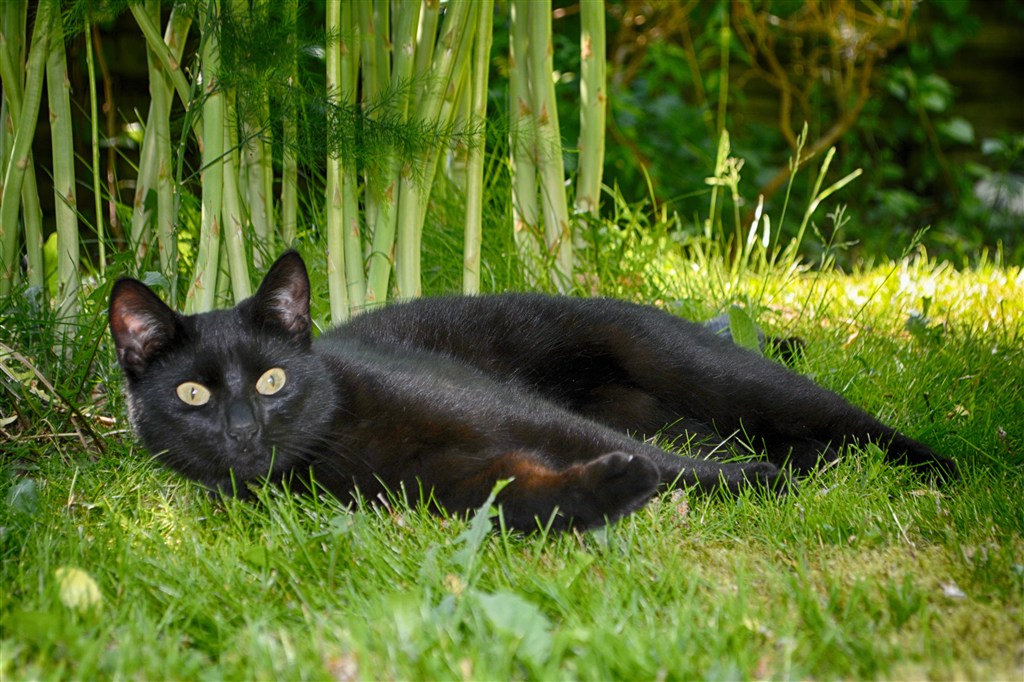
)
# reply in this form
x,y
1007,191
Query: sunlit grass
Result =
x,y
868,572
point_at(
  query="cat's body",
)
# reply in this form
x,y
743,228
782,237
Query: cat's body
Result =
x,y
441,398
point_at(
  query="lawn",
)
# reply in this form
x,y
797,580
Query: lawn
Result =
x,y
114,568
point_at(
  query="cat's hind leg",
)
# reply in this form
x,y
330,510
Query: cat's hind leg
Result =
x,y
583,495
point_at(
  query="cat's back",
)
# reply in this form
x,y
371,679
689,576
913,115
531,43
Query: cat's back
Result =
x,y
511,323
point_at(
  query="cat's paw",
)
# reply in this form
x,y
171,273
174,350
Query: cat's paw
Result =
x,y
759,476
613,485
923,459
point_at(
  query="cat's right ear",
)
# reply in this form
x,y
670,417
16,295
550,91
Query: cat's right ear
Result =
x,y
282,300
141,325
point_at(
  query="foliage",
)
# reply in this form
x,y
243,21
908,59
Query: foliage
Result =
x,y
114,567
868,78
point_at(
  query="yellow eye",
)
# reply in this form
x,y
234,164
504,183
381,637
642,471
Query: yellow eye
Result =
x,y
271,382
193,394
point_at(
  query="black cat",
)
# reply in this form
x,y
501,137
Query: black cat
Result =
x,y
440,398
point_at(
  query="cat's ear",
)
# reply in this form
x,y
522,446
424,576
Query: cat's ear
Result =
x,y
283,298
141,325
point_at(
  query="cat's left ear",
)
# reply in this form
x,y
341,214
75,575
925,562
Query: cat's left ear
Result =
x,y
283,298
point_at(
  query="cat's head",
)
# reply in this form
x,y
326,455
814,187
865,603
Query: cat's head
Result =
x,y
228,396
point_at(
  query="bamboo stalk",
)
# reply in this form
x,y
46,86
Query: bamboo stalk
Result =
x,y
475,161
522,147
15,20
168,59
157,151
415,185
382,253
426,37
256,172
14,177
555,209
232,217
289,135
101,239
373,76
233,220
336,285
355,276
65,201
593,77
202,291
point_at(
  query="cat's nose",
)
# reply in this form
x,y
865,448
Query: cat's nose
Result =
x,y
242,424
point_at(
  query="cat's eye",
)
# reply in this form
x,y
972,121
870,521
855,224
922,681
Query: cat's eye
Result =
x,y
271,382
193,394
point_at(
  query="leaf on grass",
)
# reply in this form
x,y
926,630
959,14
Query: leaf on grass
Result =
x,y
513,616
743,329
78,590
479,526
23,497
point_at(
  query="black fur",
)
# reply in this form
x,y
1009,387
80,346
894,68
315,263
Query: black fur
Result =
x,y
440,398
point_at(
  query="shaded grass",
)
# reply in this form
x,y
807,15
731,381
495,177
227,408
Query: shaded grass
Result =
x,y
867,572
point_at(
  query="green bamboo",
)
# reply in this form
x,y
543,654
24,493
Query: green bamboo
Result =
x,y
202,291
522,147
257,172
593,78
157,119
232,216
14,175
426,38
65,201
157,146
475,161
456,34
169,58
236,229
382,254
101,239
335,212
12,32
289,135
554,206
373,76
355,275
452,99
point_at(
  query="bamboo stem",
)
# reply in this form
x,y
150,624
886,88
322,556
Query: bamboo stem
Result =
x,y
232,217
289,135
101,239
382,254
475,161
202,291
415,185
593,78
372,80
552,171
355,276
65,201
523,147
14,177
336,285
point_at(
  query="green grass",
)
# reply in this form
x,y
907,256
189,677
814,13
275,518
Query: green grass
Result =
x,y
868,572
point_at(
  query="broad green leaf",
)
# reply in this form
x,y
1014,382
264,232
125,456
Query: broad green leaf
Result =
x,y
743,329
23,497
513,616
957,129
